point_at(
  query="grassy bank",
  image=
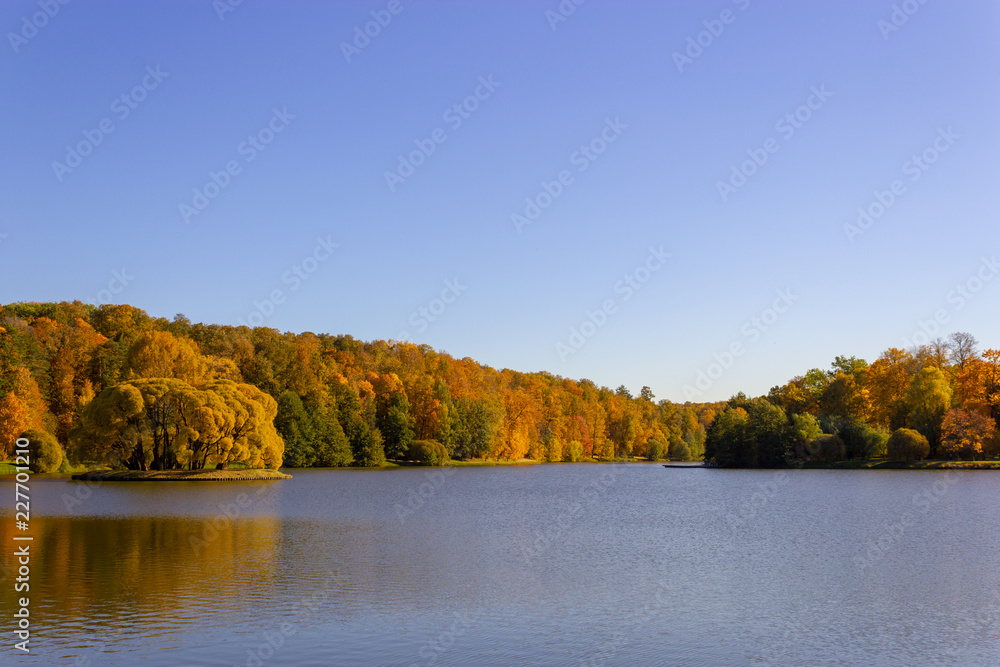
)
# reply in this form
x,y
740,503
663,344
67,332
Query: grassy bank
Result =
x,y
179,475
903,465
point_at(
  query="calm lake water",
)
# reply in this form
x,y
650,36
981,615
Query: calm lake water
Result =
x,y
566,564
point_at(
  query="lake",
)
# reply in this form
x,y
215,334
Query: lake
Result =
x,y
562,564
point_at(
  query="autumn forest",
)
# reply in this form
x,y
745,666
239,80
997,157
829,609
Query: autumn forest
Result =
x,y
112,385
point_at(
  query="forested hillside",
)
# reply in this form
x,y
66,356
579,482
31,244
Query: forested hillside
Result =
x,y
113,384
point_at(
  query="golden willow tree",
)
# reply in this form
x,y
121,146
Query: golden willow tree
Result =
x,y
165,424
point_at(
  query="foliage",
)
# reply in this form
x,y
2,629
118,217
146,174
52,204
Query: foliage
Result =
x,y
574,452
656,451
336,401
907,445
428,452
46,455
861,440
165,424
828,448
964,432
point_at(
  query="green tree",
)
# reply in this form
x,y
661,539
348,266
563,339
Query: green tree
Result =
x,y
428,453
296,429
725,444
804,430
927,399
367,448
679,451
907,445
46,455
397,431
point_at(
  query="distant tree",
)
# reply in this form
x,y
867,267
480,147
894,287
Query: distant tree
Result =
x,y
928,398
725,445
828,448
646,394
804,430
45,453
655,450
427,452
367,448
296,429
965,432
861,440
14,419
574,451
679,451
623,391
160,354
847,365
963,348
396,430
907,445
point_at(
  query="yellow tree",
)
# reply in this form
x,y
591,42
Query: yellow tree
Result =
x,y
888,380
991,382
160,354
13,421
927,399
519,419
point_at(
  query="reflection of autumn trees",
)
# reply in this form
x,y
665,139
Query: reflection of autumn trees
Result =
x,y
127,567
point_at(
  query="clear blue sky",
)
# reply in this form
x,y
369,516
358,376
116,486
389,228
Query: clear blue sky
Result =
x,y
886,95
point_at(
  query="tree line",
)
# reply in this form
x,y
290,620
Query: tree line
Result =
x,y
940,400
112,384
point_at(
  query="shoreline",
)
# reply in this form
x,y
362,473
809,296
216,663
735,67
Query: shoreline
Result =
x,y
179,476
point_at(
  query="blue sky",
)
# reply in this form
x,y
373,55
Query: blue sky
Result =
x,y
640,136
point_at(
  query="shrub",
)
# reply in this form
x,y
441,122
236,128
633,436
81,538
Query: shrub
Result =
x,y
679,451
860,439
828,448
46,453
428,453
655,451
908,445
